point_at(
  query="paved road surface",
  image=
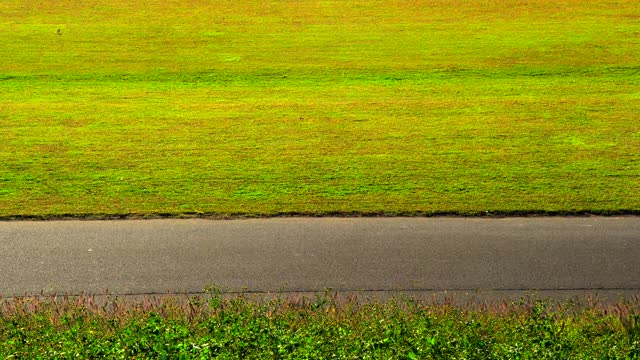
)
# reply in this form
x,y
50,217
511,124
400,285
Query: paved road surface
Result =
x,y
305,254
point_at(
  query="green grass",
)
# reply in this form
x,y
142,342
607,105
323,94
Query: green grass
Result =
x,y
214,326
255,108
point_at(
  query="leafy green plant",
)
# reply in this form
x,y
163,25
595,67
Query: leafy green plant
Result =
x,y
323,326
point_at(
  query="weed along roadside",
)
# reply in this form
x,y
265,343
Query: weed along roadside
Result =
x,y
214,326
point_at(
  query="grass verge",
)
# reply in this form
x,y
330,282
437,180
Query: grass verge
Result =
x,y
319,327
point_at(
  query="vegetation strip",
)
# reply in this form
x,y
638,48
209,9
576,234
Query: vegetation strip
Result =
x,y
322,326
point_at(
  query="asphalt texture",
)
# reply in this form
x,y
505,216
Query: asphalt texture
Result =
x,y
564,255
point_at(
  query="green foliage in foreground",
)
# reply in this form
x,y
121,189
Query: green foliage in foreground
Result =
x,y
317,107
315,329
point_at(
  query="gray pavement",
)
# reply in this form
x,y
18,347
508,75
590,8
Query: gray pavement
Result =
x,y
563,255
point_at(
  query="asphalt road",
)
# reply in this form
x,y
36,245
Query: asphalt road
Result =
x,y
414,255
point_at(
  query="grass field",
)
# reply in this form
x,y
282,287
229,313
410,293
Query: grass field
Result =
x,y
227,108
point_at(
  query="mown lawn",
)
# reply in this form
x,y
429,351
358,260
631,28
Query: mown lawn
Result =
x,y
318,107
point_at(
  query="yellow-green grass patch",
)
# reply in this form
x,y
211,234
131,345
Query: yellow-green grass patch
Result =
x,y
318,107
